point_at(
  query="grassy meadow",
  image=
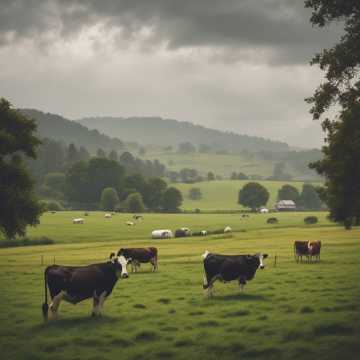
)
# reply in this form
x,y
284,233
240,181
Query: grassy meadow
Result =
x,y
289,311
223,195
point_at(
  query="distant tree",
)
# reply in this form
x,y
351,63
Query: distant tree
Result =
x,y
168,148
142,151
188,175
83,155
233,176
113,155
186,148
288,192
137,182
86,180
134,203
154,192
55,181
204,148
173,176
72,155
309,198
253,195
195,193
109,199
100,153
172,199
242,176
210,176
18,205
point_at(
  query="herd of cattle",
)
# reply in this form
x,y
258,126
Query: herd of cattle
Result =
x,y
77,283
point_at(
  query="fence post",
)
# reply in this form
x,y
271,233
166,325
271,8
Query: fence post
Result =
x,y
275,260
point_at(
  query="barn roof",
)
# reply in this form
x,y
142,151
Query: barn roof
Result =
x,y
286,203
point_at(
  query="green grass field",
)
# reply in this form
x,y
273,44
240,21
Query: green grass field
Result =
x,y
223,195
291,311
222,165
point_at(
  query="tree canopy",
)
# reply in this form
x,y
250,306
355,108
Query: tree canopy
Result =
x,y
18,205
253,195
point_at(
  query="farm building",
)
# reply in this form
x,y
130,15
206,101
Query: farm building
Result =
x,y
285,205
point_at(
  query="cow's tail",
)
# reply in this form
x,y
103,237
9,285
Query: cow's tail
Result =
x,y
45,306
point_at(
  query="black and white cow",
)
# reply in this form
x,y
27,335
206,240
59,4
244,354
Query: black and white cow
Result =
x,y
77,283
230,267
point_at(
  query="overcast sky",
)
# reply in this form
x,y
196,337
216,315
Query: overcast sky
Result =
x,y
238,65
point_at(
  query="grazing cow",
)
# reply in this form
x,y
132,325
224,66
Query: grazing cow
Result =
x,y
78,221
130,223
230,267
314,250
199,233
301,249
136,256
227,229
182,232
77,283
107,216
137,217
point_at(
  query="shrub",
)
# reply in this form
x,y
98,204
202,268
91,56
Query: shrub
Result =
x,y
272,220
109,199
134,203
26,242
310,220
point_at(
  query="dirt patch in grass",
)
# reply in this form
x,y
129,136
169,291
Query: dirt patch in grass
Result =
x,y
139,306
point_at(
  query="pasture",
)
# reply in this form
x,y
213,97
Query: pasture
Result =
x,y
289,311
223,195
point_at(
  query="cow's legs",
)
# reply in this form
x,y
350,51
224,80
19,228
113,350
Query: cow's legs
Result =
x,y
242,283
98,302
54,306
209,285
153,263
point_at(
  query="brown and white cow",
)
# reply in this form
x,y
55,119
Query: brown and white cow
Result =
x,y
136,256
77,283
309,249
314,250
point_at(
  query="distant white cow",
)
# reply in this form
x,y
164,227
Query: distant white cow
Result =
x,y
130,223
162,234
203,232
227,229
264,210
107,216
78,221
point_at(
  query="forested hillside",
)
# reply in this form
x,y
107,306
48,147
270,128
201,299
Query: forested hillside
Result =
x,y
61,129
165,132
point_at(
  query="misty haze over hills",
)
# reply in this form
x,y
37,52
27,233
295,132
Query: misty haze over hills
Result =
x,y
166,132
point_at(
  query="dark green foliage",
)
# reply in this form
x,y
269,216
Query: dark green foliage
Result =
x,y
195,193
288,192
253,195
153,195
18,206
113,155
210,176
134,203
86,180
186,148
55,181
341,63
100,153
26,242
309,198
341,168
239,176
109,199
189,175
172,199
310,220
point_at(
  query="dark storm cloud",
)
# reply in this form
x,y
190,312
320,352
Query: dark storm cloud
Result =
x,y
281,27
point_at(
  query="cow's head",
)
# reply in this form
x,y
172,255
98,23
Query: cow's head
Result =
x,y
261,258
120,264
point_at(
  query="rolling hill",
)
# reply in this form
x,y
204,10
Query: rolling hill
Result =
x,y
61,129
165,132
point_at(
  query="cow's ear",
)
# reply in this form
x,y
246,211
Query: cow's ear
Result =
x,y
265,256
111,257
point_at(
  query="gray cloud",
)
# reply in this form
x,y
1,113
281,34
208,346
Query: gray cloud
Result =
x,y
281,27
